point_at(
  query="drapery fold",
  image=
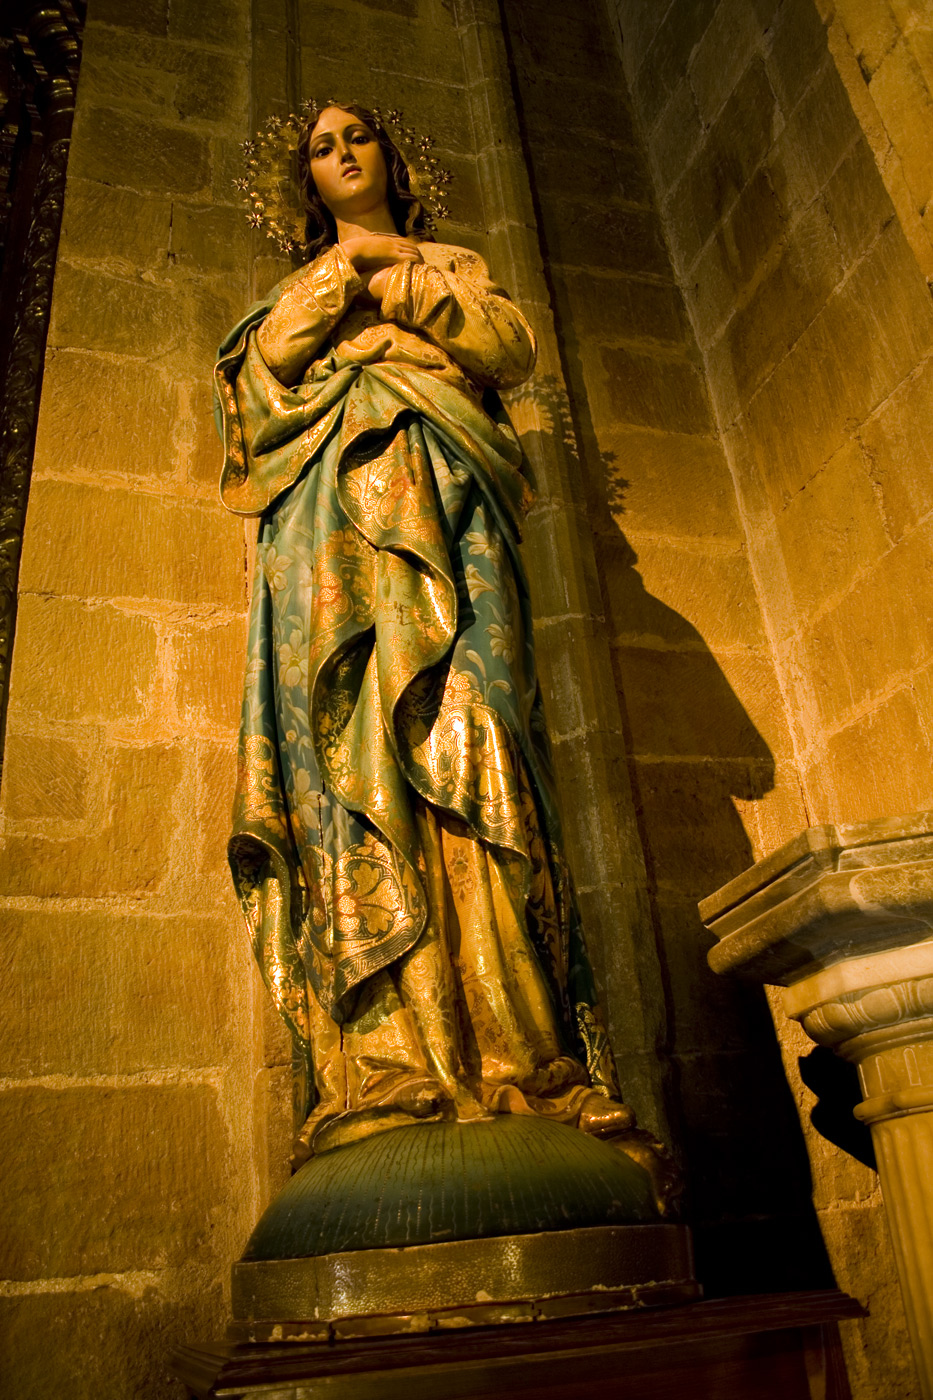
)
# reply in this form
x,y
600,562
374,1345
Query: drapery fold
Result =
x,y
391,708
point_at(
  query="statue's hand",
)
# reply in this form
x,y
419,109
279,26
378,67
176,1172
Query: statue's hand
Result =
x,y
376,282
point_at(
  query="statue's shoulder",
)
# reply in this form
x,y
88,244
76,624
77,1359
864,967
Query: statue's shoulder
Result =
x,y
451,258
275,292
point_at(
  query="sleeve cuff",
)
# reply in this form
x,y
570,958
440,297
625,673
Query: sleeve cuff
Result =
x,y
332,282
396,298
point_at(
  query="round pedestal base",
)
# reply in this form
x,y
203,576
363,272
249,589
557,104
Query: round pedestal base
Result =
x,y
451,1224
461,1283
508,1175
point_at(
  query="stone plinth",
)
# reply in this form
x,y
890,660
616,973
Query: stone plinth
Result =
x,y
842,918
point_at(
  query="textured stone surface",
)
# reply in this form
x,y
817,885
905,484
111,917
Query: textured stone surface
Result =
x,y
192,553
71,689
113,1338
882,53
210,676
125,1197
125,846
44,781
691,656
826,894
75,436
812,344
799,242
133,151
128,1042
135,997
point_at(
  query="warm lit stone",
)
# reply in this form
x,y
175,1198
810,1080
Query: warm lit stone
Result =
x,y
125,1195
127,852
216,777
71,689
193,552
127,230
93,310
224,26
75,436
832,529
114,1339
125,149
651,391
44,779
900,452
687,593
360,46
209,676
135,998
869,635
681,703
557,530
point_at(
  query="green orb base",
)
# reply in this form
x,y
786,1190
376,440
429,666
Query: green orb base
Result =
x,y
447,1224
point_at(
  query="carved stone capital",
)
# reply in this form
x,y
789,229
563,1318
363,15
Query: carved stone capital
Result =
x,y
832,893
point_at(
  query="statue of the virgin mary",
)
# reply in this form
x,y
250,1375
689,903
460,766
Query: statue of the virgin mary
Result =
x,y
396,844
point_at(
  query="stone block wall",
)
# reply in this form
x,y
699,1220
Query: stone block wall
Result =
x,y
816,328
806,293
131,1071
142,1061
709,754
884,52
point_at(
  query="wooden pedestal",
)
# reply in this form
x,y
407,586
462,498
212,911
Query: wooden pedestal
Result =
x,y
781,1346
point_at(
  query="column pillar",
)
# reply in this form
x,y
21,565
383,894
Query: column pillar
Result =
x,y
842,918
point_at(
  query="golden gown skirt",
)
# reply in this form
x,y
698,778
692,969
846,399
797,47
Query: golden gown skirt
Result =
x,y
396,844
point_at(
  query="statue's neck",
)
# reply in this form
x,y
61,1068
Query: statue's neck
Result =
x,y
379,221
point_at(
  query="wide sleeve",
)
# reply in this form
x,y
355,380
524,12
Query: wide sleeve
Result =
x,y
463,312
305,314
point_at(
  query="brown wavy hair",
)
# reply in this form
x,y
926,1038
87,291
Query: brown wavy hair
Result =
x,y
320,227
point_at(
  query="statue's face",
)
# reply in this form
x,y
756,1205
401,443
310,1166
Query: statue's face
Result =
x,y
347,164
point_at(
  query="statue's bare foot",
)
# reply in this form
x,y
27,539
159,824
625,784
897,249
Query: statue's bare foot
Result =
x,y
666,1182
302,1146
422,1098
467,1106
300,1153
602,1117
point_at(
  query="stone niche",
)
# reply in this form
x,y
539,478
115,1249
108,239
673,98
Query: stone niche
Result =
x,y
730,434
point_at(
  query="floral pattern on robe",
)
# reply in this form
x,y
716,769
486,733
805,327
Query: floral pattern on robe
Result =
x,y
392,728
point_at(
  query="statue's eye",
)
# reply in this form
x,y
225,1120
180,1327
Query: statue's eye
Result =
x,y
362,138
321,150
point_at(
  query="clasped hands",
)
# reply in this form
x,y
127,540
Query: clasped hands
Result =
x,y
375,254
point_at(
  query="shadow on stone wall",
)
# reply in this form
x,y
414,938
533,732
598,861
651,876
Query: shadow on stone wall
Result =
x,y
632,382
835,1083
749,1185
693,753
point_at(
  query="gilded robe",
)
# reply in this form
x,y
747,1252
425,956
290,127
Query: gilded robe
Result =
x,y
396,845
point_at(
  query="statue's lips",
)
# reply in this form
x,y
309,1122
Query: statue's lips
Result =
x,y
351,170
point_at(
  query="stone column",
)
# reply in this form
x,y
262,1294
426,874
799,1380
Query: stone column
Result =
x,y
842,918
571,636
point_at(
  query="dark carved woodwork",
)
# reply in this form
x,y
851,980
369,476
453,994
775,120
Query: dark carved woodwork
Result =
x,y
781,1346
40,48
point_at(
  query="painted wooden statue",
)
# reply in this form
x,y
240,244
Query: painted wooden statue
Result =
x,y
396,844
